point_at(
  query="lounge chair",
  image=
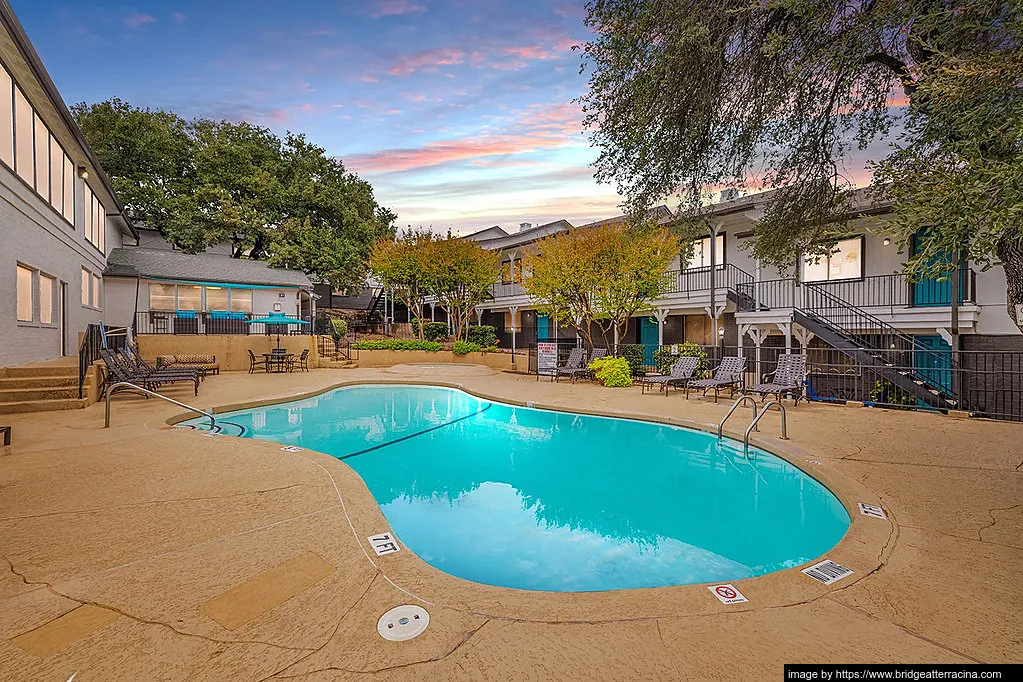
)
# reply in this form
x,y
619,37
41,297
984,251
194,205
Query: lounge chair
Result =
x,y
788,378
131,357
681,374
576,361
255,363
583,372
726,375
118,369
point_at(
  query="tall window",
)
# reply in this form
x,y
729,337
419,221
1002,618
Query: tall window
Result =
x,y
86,281
25,302
6,118
96,283
161,296
844,262
95,220
701,253
189,297
23,138
46,299
241,300
42,159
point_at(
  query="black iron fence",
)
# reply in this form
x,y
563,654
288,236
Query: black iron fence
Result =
x,y
207,323
698,280
336,348
95,339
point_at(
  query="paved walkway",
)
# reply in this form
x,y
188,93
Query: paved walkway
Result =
x,y
146,552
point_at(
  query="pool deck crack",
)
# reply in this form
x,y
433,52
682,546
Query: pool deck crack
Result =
x,y
994,520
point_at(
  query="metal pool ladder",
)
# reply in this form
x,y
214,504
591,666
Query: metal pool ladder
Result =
x,y
135,387
739,401
753,424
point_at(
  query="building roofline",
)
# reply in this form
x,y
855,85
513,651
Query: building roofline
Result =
x,y
35,63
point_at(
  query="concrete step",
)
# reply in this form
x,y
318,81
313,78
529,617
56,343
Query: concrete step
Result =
x,y
49,381
17,395
22,371
41,406
347,364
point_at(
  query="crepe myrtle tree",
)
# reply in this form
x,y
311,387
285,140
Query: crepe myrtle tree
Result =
x,y
687,95
600,276
460,274
401,266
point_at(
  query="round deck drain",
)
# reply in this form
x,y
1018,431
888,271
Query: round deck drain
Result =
x,y
403,622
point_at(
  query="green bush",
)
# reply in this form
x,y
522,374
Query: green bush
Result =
x,y
432,331
482,335
612,372
665,359
490,349
464,348
340,326
635,355
397,344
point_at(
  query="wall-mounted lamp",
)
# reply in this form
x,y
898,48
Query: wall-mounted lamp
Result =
x,y
886,241
83,172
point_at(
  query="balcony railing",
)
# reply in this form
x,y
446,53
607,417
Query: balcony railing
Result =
x,y
506,290
166,322
698,280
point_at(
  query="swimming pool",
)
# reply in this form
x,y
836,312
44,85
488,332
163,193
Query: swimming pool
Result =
x,y
541,500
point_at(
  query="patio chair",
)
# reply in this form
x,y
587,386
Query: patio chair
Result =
x,y
255,362
135,361
118,369
302,361
788,378
583,372
576,361
681,374
726,375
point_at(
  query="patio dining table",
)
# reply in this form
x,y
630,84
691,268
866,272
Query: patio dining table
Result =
x,y
278,362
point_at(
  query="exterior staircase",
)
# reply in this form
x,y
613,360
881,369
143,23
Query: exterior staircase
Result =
x,y
40,387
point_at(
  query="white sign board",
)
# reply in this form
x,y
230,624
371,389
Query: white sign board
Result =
x,y
872,510
546,358
827,571
727,594
291,448
383,544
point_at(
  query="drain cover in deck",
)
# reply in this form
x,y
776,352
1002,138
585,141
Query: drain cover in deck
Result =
x,y
403,622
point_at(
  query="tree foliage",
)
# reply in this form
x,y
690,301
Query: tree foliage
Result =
x,y
400,265
690,95
205,182
460,274
599,276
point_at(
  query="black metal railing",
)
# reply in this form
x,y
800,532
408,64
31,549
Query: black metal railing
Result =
x,y
203,323
336,348
94,340
698,280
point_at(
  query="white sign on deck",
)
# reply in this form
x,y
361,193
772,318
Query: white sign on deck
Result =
x,y
827,571
872,510
291,448
727,594
546,358
383,544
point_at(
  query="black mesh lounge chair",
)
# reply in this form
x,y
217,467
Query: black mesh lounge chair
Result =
x,y
135,361
787,379
681,374
583,372
726,375
255,363
576,361
119,370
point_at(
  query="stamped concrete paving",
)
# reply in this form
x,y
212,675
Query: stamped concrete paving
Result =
x,y
145,552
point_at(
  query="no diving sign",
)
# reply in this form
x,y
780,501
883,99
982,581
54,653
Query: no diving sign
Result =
x,y
727,594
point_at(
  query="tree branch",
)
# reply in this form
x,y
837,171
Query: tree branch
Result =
x,y
896,66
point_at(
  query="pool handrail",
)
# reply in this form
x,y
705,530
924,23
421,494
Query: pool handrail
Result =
x,y
738,401
136,387
763,411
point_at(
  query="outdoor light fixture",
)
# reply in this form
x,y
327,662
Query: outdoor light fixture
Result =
x,y
83,172
886,241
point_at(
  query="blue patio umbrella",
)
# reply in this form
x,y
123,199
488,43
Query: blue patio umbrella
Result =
x,y
278,319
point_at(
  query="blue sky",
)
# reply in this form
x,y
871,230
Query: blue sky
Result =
x,y
460,113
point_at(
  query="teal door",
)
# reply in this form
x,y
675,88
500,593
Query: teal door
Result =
x,y
931,292
933,360
648,337
542,327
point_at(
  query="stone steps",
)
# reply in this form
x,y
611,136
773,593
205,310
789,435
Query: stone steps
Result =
x,y
26,371
48,381
40,387
23,406
17,395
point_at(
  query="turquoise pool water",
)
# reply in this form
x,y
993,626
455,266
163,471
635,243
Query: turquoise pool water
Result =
x,y
541,500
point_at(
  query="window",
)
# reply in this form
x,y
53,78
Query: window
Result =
x,y
25,302
506,272
95,291
189,297
161,297
56,176
217,298
701,252
6,118
86,280
42,175
46,299
69,190
95,220
845,262
23,146
241,300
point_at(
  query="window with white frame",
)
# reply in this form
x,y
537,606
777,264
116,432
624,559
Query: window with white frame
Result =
x,y
46,289
844,262
26,304
96,283
29,149
701,252
95,220
86,283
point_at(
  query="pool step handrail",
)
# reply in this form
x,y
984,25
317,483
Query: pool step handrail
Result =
x,y
739,401
146,391
763,411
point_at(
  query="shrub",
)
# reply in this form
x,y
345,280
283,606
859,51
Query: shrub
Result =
x,y
612,372
635,355
464,348
435,331
397,344
340,326
482,335
490,349
666,359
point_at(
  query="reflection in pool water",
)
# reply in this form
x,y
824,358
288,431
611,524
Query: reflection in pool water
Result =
x,y
541,500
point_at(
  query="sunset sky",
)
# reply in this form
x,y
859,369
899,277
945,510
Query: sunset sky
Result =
x,y
460,113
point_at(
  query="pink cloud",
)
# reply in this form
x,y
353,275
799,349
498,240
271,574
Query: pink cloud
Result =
x,y
138,20
390,8
179,18
369,79
426,60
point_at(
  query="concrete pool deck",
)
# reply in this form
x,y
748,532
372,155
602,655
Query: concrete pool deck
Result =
x,y
148,552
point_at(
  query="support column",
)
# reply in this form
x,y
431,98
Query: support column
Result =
x,y
758,335
513,310
661,314
714,229
786,329
803,336
433,312
479,316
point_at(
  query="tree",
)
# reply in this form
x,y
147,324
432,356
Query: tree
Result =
x,y
603,275
686,95
207,182
401,266
460,274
